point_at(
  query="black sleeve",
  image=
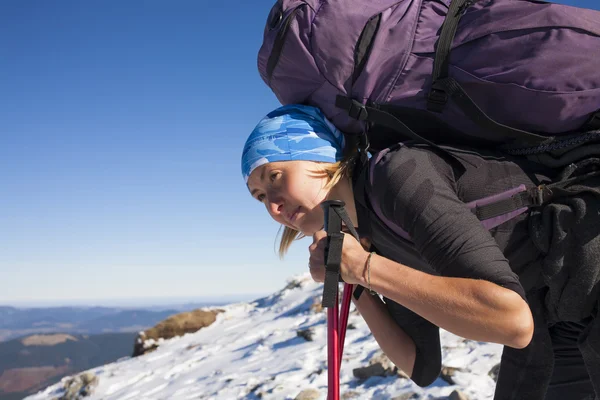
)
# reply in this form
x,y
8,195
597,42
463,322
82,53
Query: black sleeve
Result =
x,y
418,192
428,360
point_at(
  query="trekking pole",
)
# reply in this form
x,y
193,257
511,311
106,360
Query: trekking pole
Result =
x,y
334,214
333,255
333,355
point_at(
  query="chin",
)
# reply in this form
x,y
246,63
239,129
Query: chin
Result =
x,y
308,228
311,231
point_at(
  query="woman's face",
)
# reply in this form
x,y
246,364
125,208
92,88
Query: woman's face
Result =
x,y
292,191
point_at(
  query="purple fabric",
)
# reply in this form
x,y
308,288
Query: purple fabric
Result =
x,y
494,222
527,64
487,223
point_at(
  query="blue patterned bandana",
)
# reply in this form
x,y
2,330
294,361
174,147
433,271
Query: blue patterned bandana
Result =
x,y
292,132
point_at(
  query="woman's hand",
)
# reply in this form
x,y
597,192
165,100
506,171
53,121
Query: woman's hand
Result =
x,y
354,258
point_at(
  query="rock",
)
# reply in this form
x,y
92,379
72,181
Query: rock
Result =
x,y
369,371
317,305
386,363
293,284
447,374
143,345
407,396
308,394
79,386
379,365
255,388
494,372
350,395
307,334
176,325
457,395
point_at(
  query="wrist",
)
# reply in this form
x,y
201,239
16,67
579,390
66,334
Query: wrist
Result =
x,y
368,270
364,277
361,269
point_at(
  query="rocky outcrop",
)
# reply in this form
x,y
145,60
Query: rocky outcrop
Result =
x,y
79,386
176,325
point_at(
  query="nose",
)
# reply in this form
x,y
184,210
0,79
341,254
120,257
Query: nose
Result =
x,y
275,206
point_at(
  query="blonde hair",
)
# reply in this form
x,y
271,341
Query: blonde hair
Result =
x,y
335,172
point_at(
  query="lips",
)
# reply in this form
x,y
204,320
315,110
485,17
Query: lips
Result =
x,y
292,216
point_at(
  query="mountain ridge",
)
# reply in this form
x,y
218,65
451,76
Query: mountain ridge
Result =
x,y
276,348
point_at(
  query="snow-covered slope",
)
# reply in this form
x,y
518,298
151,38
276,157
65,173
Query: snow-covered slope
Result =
x,y
253,351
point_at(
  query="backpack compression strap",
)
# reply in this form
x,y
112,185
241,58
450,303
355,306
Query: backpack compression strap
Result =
x,y
445,87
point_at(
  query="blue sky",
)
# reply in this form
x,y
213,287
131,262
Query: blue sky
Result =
x,y
121,125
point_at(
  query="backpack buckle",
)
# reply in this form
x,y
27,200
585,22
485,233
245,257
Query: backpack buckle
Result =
x,y
539,195
354,108
437,98
358,111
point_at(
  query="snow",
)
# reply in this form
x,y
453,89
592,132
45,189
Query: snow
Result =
x,y
252,351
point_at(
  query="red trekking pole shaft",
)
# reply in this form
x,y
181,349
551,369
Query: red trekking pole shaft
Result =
x,y
333,357
336,328
343,323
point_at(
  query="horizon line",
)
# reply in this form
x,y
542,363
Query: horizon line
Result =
x,y
130,301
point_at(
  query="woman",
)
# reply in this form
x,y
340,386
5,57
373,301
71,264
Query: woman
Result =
x,y
530,284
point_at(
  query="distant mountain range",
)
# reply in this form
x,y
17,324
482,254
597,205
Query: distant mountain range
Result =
x,y
39,346
34,362
17,322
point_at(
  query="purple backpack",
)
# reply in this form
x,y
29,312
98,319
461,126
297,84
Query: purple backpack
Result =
x,y
518,73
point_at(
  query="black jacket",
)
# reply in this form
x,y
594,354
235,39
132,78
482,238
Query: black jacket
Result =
x,y
417,189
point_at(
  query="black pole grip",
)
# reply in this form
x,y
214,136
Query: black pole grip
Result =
x,y
333,250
